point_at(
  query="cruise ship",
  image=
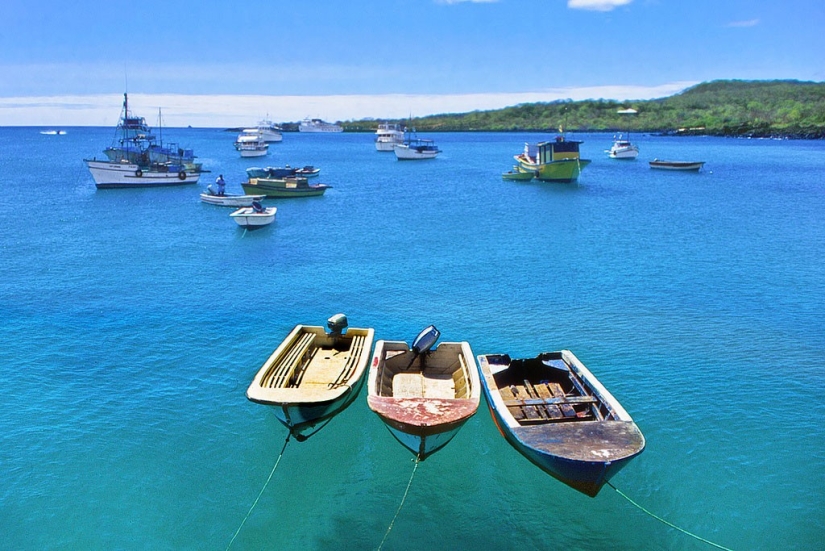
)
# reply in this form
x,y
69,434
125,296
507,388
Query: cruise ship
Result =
x,y
317,125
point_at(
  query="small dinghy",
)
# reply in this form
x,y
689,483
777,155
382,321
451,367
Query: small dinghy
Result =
x,y
555,412
313,374
254,217
230,200
424,395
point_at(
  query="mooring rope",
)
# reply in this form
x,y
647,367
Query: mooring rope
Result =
x,y
660,519
417,461
238,531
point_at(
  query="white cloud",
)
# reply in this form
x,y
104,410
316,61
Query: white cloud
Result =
x,y
222,111
596,5
746,23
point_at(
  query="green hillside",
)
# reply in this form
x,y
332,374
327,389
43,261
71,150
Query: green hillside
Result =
x,y
723,107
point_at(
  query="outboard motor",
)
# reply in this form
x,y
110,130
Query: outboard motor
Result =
x,y
423,342
337,325
257,206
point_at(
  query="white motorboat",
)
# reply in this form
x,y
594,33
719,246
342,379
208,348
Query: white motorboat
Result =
x,y
230,200
254,217
622,149
250,143
270,131
387,136
317,125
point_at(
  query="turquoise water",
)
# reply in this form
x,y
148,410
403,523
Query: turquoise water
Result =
x,y
135,320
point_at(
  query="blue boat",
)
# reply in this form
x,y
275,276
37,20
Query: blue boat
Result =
x,y
559,416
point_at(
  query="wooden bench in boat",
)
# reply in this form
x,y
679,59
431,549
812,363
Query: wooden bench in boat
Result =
x,y
543,402
281,373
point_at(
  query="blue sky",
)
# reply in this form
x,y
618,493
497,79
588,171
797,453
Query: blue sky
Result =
x,y
231,63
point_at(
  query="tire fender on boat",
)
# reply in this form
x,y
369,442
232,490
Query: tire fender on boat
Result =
x,y
138,173
181,175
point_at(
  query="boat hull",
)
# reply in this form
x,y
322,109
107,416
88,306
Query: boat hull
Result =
x,y
409,421
312,376
109,174
387,146
518,175
405,153
684,166
423,399
248,154
250,219
546,451
230,200
565,170
624,153
283,187
586,441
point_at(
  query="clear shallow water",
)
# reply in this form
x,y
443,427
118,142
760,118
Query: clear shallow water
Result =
x,y
135,319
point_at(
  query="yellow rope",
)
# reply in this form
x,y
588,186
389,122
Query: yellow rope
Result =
x,y
238,531
660,519
400,504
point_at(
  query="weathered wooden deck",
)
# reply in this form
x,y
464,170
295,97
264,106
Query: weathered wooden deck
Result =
x,y
543,402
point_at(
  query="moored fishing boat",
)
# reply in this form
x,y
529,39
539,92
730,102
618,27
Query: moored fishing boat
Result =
x,y
423,395
290,186
555,412
686,166
555,161
136,160
414,148
313,374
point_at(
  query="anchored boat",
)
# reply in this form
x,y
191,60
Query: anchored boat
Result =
x,y
423,395
687,166
313,375
289,186
555,161
555,412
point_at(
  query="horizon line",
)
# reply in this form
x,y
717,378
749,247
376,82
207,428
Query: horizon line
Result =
x,y
233,110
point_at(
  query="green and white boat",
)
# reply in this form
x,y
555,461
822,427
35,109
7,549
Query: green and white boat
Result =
x,y
294,186
556,161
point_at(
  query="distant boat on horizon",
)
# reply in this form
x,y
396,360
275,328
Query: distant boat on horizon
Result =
x,y
317,125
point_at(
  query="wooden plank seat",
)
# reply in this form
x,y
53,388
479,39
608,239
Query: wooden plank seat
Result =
x,y
284,369
514,402
543,402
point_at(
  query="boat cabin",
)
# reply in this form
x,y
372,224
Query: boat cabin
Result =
x,y
559,149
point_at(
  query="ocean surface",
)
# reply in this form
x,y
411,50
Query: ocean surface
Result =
x,y
134,320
